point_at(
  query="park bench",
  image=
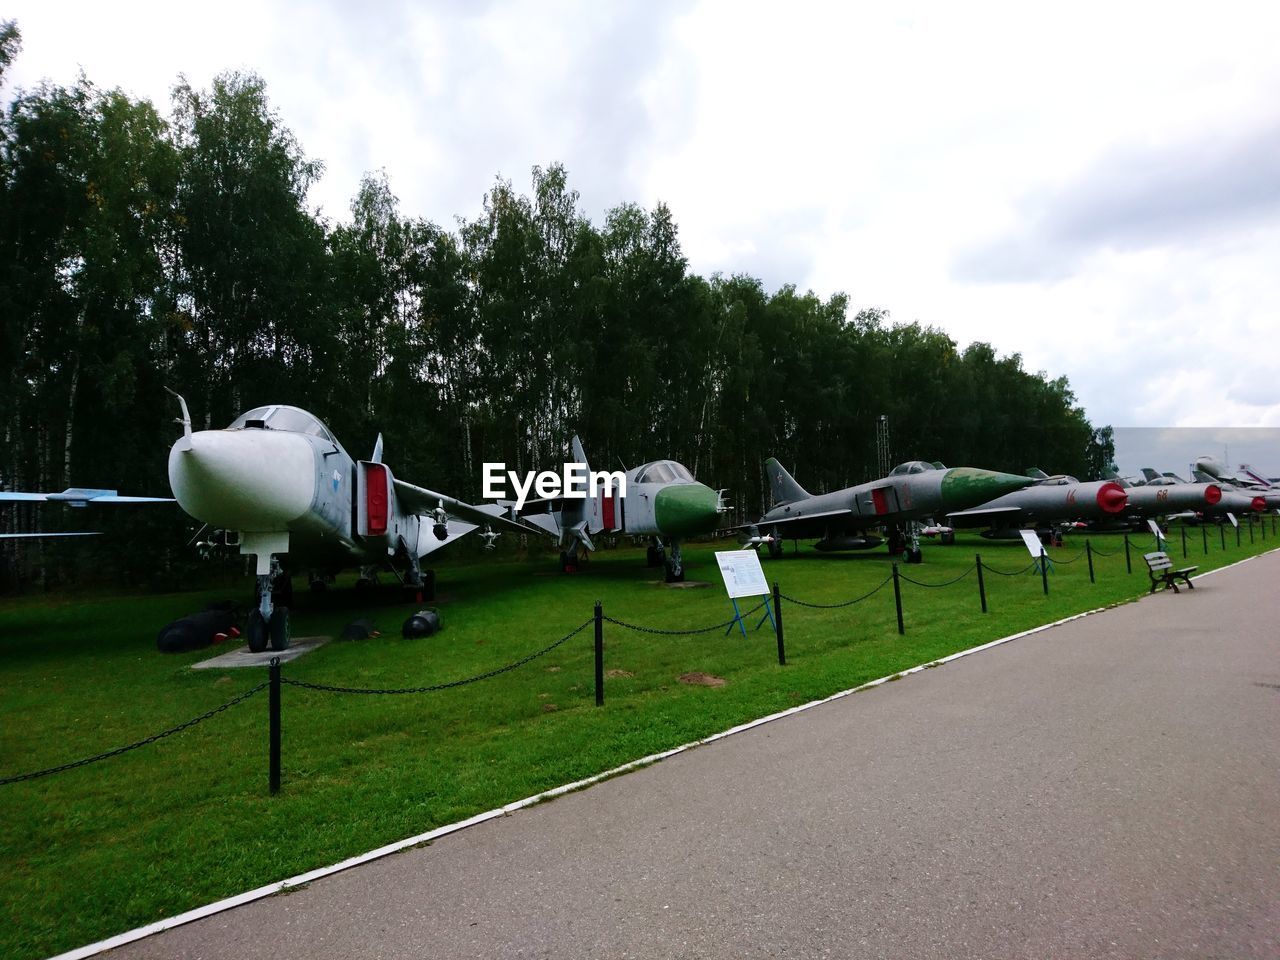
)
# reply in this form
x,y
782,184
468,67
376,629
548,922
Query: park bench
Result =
x,y
1163,575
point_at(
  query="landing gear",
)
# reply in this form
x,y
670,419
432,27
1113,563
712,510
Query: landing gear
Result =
x,y
675,564
913,555
947,538
278,629
655,556
255,631
776,548
268,623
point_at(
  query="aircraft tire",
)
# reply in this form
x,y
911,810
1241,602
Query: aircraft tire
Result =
x,y
948,538
278,628
675,571
776,549
255,631
913,555
651,557
282,590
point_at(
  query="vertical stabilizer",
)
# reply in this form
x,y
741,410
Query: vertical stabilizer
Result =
x,y
782,486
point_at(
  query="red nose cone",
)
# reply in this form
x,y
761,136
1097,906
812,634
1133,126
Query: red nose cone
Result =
x,y
1259,504
1212,494
1112,498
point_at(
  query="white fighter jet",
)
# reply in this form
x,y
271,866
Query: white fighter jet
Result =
x,y
281,487
72,497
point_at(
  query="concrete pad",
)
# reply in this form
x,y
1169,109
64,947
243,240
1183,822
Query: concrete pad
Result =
x,y
242,657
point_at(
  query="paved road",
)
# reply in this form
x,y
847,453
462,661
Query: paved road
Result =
x,y
1107,788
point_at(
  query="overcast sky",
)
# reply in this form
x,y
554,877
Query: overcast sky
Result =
x,y
1096,187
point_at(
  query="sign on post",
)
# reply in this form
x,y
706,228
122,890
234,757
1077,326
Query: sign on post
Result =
x,y
1034,547
1232,518
1161,539
743,577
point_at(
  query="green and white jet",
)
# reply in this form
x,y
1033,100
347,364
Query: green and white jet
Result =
x,y
662,502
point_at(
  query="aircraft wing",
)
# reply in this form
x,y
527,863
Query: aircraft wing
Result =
x,y
33,536
870,521
990,513
421,500
76,497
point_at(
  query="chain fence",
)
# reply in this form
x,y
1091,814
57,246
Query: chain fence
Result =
x,y
49,771
843,603
944,583
657,631
431,688
1011,573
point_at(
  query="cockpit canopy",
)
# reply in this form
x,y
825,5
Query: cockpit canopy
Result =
x,y
280,417
663,471
915,466
1061,480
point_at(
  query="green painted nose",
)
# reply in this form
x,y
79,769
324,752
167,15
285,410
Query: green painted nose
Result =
x,y
964,487
685,509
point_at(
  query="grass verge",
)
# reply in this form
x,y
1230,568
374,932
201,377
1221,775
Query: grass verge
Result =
x,y
98,850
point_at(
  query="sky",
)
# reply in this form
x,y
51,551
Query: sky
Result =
x,y
1094,187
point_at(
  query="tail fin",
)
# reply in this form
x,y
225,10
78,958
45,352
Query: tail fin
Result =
x,y
1150,474
1035,473
782,486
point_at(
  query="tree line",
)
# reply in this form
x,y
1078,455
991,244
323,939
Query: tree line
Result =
x,y
140,250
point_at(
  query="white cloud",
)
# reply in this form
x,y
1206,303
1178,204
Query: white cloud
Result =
x,y
846,147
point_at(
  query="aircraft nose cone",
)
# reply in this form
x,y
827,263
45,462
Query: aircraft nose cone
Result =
x,y
1259,504
256,480
685,509
964,487
1212,494
1112,498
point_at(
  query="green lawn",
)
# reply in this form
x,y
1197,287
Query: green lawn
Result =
x,y
102,849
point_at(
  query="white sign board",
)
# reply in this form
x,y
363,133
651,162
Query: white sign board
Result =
x,y
1032,540
1232,518
1155,528
741,572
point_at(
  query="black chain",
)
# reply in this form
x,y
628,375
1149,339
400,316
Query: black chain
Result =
x,y
944,583
684,633
1103,553
442,686
134,746
1072,560
843,603
1015,573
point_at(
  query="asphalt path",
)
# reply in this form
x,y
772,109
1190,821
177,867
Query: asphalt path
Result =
x,y
1105,788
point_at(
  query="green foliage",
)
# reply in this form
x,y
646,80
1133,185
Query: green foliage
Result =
x,y
138,252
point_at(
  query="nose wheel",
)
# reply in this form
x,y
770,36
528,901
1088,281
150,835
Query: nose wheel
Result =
x,y
268,623
674,564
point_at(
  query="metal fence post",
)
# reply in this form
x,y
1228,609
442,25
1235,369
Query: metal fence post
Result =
x,y
1088,552
777,623
982,587
1222,535
1184,543
599,617
1128,562
1204,536
1251,529
1237,534
897,600
1044,570
273,724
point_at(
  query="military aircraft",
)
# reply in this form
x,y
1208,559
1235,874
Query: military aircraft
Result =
x,y
912,492
663,502
73,497
284,490
1051,499
1244,481
1170,496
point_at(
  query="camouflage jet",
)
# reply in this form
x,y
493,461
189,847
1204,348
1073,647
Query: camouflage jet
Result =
x,y
663,503
912,492
1051,499
283,489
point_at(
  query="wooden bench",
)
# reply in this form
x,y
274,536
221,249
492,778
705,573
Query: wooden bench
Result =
x,y
1163,575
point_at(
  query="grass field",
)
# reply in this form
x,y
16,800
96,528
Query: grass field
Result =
x,y
104,848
